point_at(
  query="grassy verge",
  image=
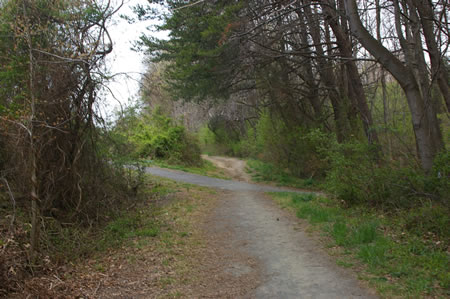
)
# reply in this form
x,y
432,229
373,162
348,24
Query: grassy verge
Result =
x,y
155,246
207,168
157,227
396,262
135,219
267,173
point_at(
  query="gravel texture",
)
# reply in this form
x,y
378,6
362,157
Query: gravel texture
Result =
x,y
290,263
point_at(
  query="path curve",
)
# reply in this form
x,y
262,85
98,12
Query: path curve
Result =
x,y
205,181
291,263
233,167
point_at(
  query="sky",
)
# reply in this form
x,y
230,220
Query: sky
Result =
x,y
124,61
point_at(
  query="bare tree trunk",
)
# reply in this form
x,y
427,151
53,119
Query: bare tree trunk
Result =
x,y
383,85
326,75
423,76
345,48
427,145
438,68
35,225
309,76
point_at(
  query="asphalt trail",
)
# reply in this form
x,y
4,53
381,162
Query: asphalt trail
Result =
x,y
292,264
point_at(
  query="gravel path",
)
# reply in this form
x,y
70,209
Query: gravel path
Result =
x,y
205,181
291,263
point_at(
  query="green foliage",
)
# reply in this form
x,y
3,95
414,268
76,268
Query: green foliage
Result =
x,y
266,172
365,233
350,172
303,197
340,232
207,140
440,175
289,152
429,219
397,262
220,137
197,49
315,214
357,177
126,227
154,136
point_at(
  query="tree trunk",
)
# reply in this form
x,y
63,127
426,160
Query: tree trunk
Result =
x,y
327,76
35,210
438,69
383,85
309,76
346,51
422,76
427,144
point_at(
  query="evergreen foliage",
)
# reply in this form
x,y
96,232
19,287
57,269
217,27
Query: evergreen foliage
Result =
x,y
200,58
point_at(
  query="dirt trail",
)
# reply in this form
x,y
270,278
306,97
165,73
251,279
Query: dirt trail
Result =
x,y
233,167
289,263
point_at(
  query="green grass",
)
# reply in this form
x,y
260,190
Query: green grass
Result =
x,y
136,222
127,227
396,262
344,264
266,172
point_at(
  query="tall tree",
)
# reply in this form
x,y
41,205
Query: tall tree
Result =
x,y
413,81
428,19
355,84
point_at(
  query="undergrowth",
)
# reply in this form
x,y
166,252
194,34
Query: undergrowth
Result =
x,y
266,172
149,134
398,262
68,243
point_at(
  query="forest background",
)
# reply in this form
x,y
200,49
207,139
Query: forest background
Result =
x,y
353,97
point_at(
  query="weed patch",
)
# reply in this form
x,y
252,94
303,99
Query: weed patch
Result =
x,y
266,172
396,262
151,243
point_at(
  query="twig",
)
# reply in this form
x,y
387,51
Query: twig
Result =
x,y
11,224
98,287
19,124
189,5
61,57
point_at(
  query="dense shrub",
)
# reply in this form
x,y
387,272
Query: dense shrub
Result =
x,y
357,177
152,135
221,136
297,150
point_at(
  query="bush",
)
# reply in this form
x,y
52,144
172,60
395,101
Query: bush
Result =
x,y
357,177
440,176
295,150
207,140
350,172
428,219
222,137
155,136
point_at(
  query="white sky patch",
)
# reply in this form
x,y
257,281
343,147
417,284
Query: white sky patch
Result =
x,y
128,65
